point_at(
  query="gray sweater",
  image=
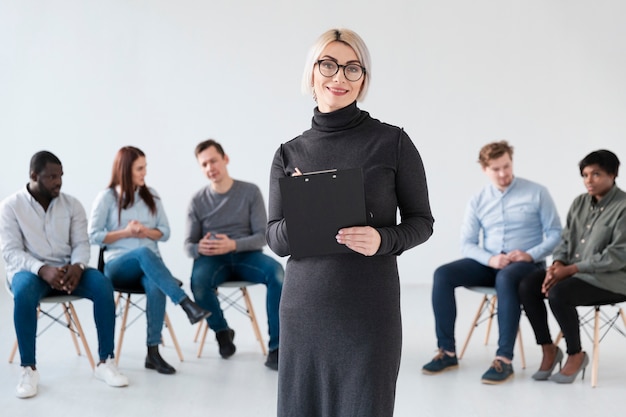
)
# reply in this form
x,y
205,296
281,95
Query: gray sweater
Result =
x,y
238,213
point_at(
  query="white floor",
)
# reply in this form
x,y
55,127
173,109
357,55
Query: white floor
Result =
x,y
242,386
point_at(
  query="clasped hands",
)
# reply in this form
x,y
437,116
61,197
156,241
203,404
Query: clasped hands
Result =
x,y
556,273
136,229
216,244
62,278
503,259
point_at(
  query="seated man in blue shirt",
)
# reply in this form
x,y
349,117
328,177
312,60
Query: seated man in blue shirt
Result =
x,y
225,236
518,225
43,239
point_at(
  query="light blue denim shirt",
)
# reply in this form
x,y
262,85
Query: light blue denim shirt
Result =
x,y
522,217
104,219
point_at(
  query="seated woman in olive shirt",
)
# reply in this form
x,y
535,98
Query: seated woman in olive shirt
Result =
x,y
589,266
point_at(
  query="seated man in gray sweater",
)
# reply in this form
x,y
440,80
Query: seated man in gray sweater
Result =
x,y
225,235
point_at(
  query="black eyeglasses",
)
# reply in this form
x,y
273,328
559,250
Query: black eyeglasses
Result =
x,y
352,72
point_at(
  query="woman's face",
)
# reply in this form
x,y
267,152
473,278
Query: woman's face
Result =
x,y
597,181
139,171
336,92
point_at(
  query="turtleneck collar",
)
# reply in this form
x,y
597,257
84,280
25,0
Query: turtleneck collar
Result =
x,y
341,119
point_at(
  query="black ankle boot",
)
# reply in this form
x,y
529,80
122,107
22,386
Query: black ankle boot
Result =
x,y
225,341
195,313
156,362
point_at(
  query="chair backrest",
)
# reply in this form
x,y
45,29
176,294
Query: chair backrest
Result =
x,y
101,259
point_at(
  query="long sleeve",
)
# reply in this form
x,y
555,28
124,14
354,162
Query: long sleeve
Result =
x,y
98,224
416,220
258,224
276,234
12,245
470,236
193,232
551,224
79,240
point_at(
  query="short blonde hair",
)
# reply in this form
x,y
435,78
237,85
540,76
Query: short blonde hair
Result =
x,y
351,39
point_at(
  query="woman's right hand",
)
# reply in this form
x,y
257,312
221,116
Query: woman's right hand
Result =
x,y
136,229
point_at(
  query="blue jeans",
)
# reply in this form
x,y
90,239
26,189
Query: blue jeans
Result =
x,y
142,266
469,273
210,271
28,289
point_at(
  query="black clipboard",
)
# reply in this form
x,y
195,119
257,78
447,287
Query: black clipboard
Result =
x,y
316,205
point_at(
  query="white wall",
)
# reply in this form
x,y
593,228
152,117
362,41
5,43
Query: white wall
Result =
x,y
82,78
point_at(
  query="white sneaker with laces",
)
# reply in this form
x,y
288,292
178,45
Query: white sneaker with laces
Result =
x,y
109,373
27,387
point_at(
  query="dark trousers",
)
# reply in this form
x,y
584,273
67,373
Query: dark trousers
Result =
x,y
563,299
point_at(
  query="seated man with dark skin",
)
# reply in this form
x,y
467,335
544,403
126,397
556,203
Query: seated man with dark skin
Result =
x,y
43,239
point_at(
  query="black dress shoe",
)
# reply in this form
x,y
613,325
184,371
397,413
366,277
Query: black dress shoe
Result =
x,y
225,340
195,313
156,362
272,360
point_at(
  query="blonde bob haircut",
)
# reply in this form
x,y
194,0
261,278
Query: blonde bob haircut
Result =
x,y
351,39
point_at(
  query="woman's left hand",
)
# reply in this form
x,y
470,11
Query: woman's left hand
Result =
x,y
556,273
362,239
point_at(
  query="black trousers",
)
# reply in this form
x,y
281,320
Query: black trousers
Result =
x,y
563,299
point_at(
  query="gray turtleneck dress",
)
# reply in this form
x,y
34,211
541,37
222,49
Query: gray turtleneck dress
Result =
x,y
340,324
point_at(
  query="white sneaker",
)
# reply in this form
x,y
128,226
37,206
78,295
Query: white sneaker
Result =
x,y
27,387
109,373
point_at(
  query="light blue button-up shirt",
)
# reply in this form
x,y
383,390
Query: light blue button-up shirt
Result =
x,y
522,217
104,219
31,237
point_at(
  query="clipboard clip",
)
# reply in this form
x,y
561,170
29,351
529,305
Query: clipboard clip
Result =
x,y
324,171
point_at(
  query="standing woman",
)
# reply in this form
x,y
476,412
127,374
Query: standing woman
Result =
x,y
128,218
341,334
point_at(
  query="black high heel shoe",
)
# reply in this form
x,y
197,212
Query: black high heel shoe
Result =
x,y
156,362
544,375
568,379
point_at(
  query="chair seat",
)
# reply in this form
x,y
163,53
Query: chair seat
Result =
x,y
483,290
237,284
61,298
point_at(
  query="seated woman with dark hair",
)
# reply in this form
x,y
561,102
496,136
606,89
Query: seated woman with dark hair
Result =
x,y
589,267
128,218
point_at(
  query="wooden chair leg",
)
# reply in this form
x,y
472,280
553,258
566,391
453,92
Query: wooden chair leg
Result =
x,y
473,326
520,342
68,320
205,329
81,334
252,315
492,308
621,313
13,351
596,347
168,324
120,339
195,338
